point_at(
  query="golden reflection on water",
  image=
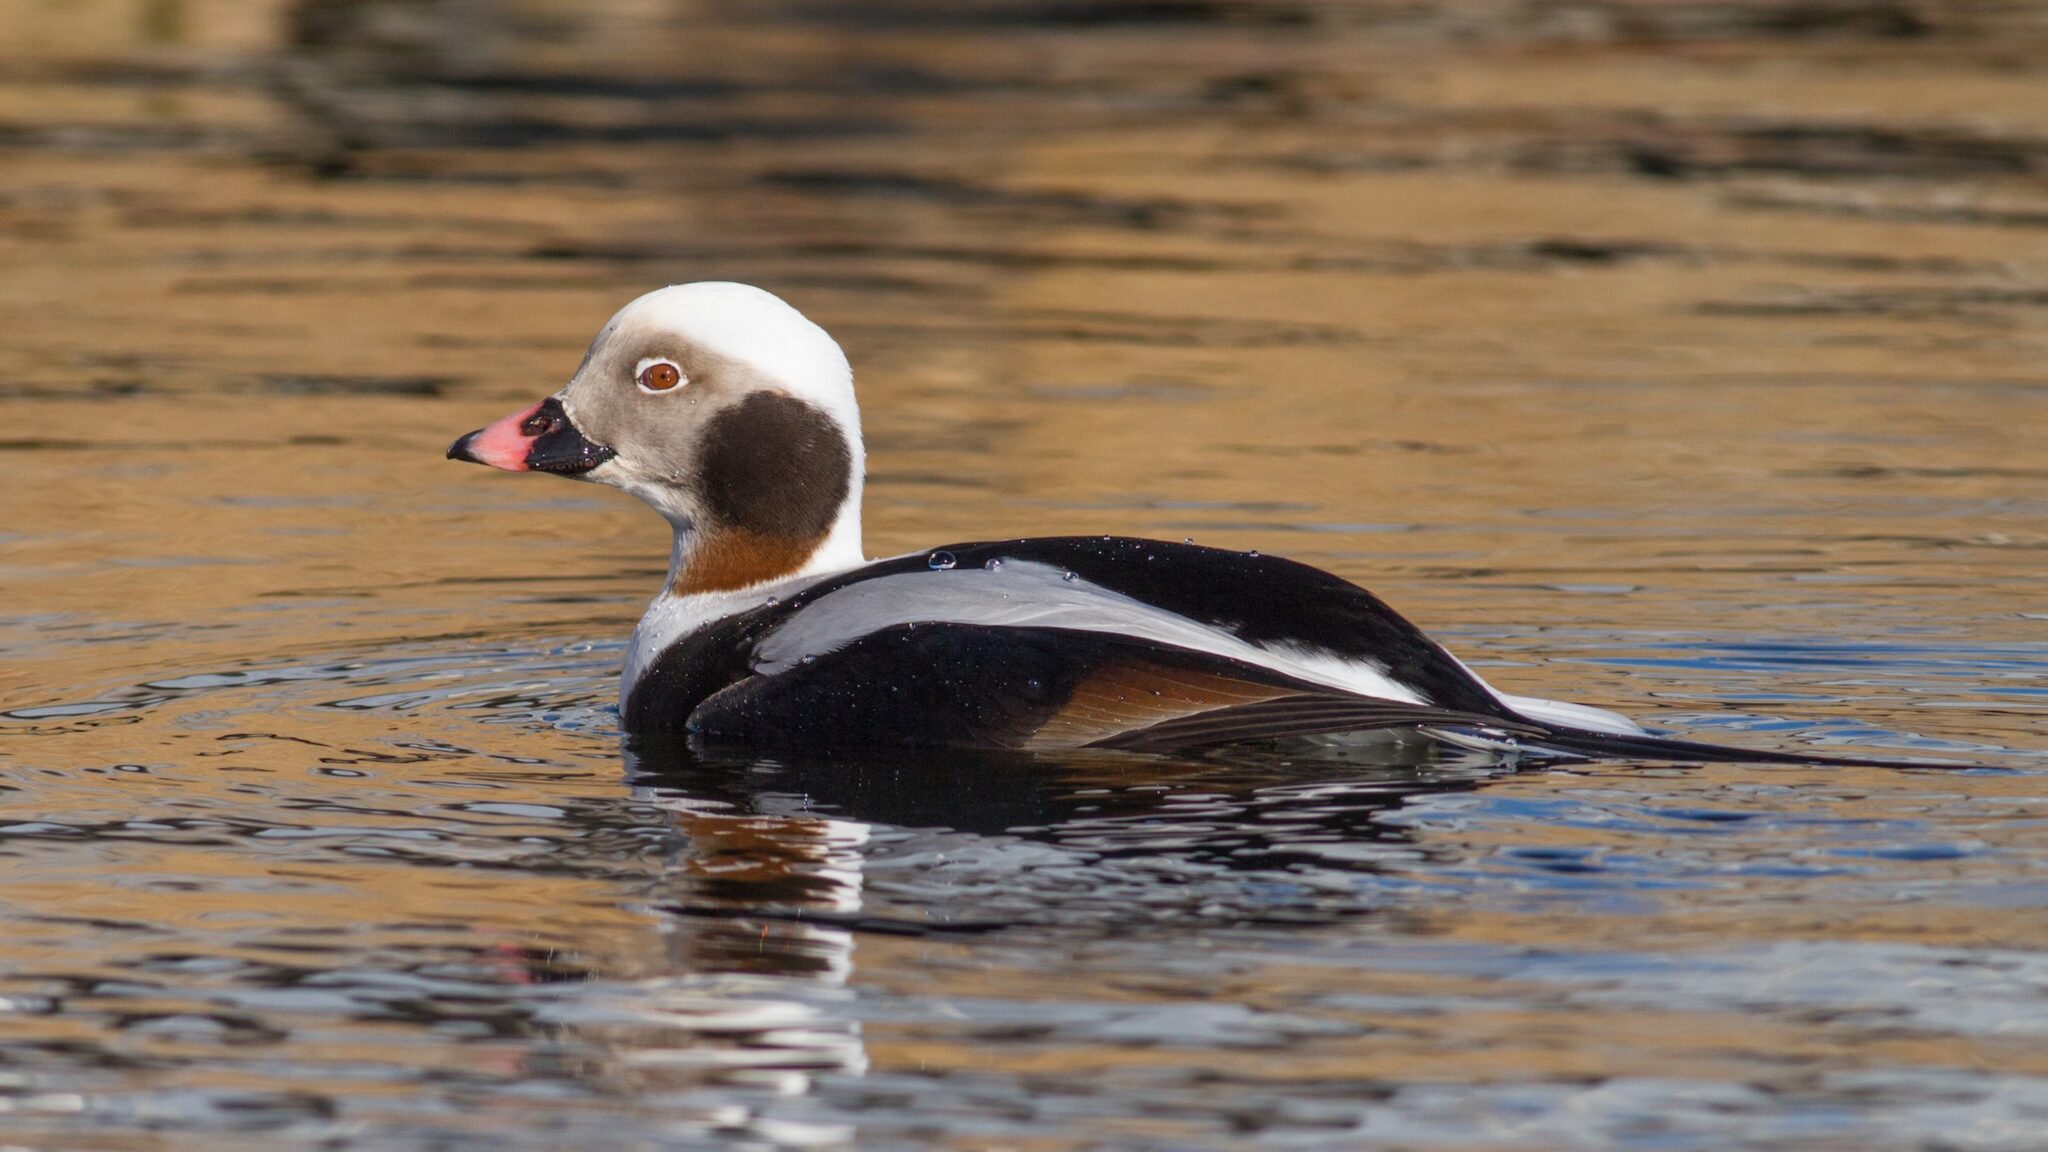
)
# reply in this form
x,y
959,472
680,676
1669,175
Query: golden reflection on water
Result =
x,y
1660,356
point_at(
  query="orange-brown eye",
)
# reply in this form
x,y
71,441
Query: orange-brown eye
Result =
x,y
660,376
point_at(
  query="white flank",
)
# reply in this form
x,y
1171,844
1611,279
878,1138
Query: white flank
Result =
x,y
1571,715
1561,712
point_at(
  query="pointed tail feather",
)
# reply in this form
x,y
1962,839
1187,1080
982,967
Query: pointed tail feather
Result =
x,y
1612,746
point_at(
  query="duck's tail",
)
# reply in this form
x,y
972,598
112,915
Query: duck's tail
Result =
x,y
1585,743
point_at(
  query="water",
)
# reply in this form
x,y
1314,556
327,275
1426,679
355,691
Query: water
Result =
x,y
1680,359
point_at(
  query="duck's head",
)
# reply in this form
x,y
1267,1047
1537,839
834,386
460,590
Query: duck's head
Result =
x,y
725,409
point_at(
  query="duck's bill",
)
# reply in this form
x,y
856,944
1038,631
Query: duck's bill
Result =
x,y
537,439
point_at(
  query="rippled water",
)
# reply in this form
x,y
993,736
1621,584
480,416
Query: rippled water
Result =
x,y
1679,358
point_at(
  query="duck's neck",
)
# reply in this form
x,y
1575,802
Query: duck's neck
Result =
x,y
709,559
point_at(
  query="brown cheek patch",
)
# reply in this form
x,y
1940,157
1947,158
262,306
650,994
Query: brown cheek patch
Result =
x,y
1126,697
729,558
774,466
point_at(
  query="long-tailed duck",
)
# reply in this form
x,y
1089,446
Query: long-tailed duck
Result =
x,y
734,417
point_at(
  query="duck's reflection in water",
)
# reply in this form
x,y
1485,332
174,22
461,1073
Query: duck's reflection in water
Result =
x,y
782,866
1235,813
749,1000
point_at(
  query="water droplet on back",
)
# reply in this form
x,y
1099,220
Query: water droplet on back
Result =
x,y
1254,553
940,560
1069,577
995,563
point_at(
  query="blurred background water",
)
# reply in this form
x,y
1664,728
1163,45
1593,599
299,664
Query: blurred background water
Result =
x,y
1678,357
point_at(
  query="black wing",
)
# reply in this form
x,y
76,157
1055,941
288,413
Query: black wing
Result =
x,y
1038,689
1256,598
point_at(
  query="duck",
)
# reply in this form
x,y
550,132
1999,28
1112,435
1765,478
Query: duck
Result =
x,y
733,416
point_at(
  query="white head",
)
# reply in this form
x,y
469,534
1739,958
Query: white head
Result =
x,y
728,412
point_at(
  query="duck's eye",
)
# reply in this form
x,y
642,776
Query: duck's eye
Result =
x,y
658,375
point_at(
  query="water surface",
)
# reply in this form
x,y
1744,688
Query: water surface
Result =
x,y
1683,359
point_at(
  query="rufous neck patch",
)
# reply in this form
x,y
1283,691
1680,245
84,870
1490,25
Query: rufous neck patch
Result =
x,y
729,558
